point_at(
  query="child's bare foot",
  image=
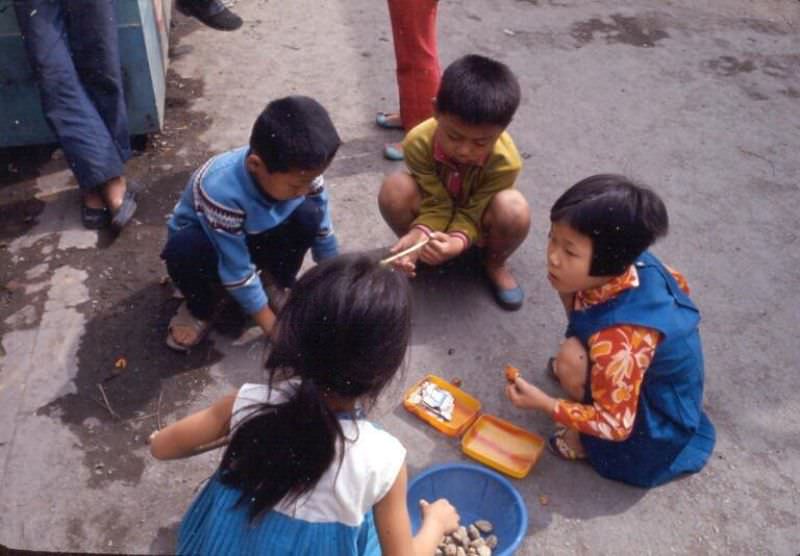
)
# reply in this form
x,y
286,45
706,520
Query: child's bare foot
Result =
x,y
507,291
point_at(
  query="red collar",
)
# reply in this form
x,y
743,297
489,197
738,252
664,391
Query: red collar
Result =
x,y
440,156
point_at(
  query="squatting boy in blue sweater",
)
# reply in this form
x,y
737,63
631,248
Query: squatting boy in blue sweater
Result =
x,y
249,216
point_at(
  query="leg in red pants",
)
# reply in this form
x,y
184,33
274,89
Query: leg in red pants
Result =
x,y
418,72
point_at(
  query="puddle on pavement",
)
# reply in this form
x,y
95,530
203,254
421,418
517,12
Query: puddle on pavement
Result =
x,y
633,31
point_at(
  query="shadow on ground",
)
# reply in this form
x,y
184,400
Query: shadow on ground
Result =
x,y
128,382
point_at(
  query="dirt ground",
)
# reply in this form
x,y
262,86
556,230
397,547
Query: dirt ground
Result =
x,y
699,100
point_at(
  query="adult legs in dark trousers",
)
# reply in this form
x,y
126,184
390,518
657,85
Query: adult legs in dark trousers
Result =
x,y
192,260
73,49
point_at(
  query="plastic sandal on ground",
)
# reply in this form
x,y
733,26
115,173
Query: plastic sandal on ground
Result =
x,y
184,319
510,299
384,120
123,215
393,151
558,445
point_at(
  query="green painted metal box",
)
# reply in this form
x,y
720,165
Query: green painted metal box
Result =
x,y
143,37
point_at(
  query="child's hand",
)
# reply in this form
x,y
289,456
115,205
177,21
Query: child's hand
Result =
x,y
525,395
408,264
441,512
442,247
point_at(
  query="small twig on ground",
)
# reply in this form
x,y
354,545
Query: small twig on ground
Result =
x,y
140,417
764,158
158,410
151,415
110,409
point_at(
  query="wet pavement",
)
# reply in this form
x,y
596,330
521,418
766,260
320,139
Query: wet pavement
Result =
x,y
700,102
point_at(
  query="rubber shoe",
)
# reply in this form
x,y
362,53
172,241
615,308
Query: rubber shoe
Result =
x,y
382,120
393,151
510,299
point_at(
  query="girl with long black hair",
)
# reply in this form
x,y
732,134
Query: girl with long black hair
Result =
x,y
304,471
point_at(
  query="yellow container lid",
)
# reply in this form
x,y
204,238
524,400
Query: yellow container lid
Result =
x,y
502,446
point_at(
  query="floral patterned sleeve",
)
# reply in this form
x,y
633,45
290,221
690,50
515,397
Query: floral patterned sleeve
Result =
x,y
679,278
619,357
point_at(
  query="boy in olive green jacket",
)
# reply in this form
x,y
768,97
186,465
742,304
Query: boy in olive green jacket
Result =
x,y
462,166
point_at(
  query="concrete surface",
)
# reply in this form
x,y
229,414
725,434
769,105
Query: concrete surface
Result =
x,y
699,99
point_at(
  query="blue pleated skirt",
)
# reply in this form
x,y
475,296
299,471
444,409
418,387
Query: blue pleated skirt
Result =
x,y
214,524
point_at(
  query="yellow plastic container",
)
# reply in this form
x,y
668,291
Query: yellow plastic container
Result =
x,y
488,439
503,446
465,410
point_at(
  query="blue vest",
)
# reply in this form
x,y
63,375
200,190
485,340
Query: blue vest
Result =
x,y
671,433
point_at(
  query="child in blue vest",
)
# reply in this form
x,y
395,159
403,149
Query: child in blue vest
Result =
x,y
632,361
305,472
247,218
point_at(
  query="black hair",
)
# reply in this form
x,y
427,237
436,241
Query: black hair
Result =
x,y
620,217
479,90
343,331
294,133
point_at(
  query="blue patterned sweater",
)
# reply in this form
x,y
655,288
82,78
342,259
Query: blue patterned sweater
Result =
x,y
224,200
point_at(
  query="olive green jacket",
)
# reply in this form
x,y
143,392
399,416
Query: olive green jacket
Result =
x,y
439,210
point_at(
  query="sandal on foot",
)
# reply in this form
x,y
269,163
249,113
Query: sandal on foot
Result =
x,y
558,445
123,214
384,120
184,318
393,151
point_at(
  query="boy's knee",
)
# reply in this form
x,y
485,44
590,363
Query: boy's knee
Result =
x,y
399,191
307,218
509,211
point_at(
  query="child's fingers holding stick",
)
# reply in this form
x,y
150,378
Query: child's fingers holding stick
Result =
x,y
404,257
434,251
441,248
407,264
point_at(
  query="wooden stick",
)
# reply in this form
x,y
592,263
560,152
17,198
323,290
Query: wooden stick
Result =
x,y
404,252
108,405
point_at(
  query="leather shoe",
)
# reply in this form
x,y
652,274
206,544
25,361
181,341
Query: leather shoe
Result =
x,y
211,12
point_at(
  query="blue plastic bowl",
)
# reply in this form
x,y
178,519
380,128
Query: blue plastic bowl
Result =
x,y
477,493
